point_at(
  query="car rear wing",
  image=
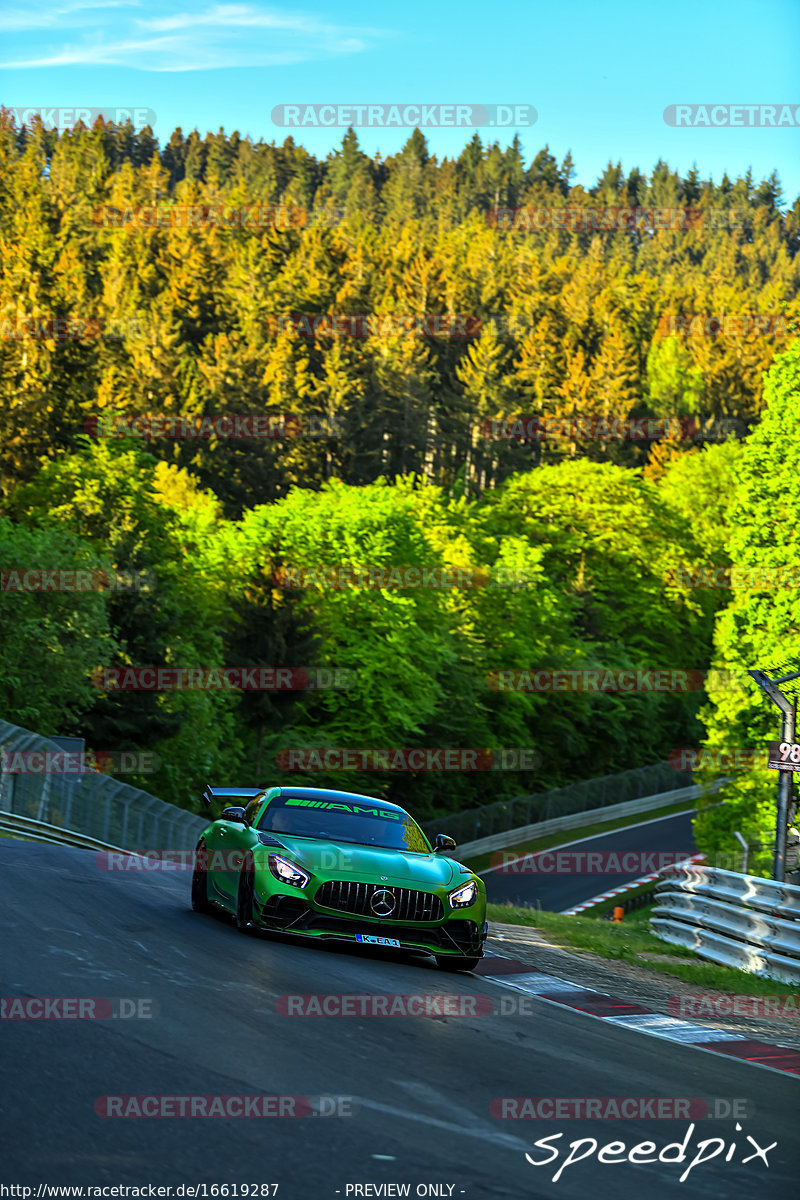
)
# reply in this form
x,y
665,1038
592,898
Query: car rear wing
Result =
x,y
226,794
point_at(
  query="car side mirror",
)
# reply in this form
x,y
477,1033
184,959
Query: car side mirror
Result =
x,y
233,814
443,842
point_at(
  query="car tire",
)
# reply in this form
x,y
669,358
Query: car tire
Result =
x,y
200,901
245,897
452,962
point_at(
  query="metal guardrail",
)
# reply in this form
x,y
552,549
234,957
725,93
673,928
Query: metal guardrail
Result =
x,y
595,816
40,831
584,796
736,920
89,804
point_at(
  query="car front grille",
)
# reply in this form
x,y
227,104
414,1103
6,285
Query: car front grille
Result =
x,y
345,895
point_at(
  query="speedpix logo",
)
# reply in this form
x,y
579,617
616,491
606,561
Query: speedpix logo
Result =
x,y
617,1152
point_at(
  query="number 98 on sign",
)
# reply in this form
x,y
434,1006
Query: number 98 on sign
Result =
x,y
784,756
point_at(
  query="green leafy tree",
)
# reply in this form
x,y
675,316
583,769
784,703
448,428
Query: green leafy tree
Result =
x,y
51,639
760,627
154,526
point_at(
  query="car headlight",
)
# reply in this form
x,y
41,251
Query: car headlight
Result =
x,y
287,872
464,896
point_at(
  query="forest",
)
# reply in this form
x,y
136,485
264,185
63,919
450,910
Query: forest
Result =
x,y
435,439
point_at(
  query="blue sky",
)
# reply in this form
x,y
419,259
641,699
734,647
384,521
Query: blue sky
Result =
x,y
599,75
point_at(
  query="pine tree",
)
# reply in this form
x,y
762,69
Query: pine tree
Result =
x,y
483,375
173,157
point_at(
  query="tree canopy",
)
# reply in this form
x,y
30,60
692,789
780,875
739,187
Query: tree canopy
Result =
x,y
228,366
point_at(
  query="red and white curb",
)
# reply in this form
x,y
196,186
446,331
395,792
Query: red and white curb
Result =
x,y
511,973
627,887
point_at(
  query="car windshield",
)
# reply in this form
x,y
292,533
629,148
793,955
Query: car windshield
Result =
x,y
351,820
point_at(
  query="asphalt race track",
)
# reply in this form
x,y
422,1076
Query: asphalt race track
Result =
x,y
556,892
422,1086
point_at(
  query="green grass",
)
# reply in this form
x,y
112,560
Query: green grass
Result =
x,y
631,938
479,862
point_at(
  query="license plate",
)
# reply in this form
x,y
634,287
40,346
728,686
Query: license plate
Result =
x,y
376,941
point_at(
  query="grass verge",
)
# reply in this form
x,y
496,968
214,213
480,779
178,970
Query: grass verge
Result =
x,y
630,940
479,862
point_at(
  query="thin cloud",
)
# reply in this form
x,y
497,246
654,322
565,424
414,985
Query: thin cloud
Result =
x,y
55,15
224,35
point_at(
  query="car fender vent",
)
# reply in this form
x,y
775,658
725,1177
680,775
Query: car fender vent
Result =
x,y
267,839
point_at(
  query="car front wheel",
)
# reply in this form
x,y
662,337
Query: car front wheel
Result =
x,y
246,895
200,901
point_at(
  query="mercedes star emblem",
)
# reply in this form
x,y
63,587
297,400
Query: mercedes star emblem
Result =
x,y
382,902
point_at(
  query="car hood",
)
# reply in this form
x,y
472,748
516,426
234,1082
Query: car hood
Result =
x,y
344,860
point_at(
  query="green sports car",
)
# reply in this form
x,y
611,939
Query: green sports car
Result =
x,y
335,865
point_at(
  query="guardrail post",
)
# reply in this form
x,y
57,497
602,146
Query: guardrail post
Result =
x,y
745,847
70,793
43,796
107,817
